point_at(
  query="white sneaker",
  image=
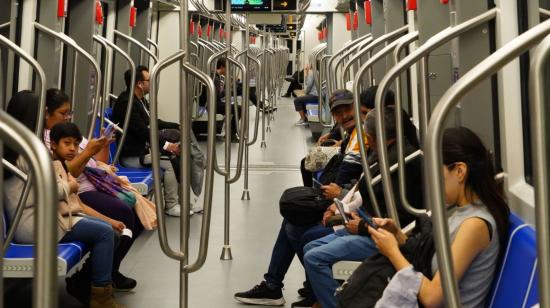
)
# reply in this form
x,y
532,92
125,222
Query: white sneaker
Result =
x,y
174,211
302,122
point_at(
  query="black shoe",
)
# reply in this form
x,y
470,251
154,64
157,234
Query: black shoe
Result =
x,y
286,95
78,289
306,302
261,295
122,283
304,292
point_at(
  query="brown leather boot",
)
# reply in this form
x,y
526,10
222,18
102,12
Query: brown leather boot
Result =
x,y
102,297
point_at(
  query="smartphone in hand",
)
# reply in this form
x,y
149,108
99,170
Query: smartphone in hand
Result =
x,y
367,218
340,205
109,130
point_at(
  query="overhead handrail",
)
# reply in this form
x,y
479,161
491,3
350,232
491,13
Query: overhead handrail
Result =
x,y
70,42
41,77
137,43
130,94
433,43
544,12
361,131
369,48
434,161
539,127
37,156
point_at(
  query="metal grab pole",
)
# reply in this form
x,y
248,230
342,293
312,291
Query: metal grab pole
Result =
x,y
137,43
130,98
344,56
360,128
322,102
73,83
434,160
541,157
152,43
41,77
370,47
104,90
37,156
403,42
262,98
69,41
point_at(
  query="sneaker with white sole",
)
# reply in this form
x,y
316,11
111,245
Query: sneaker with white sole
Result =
x,y
174,211
302,122
261,295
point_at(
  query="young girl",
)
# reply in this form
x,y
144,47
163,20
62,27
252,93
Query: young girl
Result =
x,y
95,233
477,225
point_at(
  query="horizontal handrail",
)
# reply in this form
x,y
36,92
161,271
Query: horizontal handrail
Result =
x,y
70,42
434,161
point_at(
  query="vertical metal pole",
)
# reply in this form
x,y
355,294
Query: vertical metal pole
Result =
x,y
141,57
246,192
262,98
2,209
226,250
424,98
185,164
73,83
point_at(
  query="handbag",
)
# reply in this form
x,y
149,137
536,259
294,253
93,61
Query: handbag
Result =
x,y
303,206
109,184
319,156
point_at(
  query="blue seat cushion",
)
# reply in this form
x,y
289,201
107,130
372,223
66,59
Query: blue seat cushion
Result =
x,y
515,283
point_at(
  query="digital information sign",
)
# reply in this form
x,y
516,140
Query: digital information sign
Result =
x,y
251,5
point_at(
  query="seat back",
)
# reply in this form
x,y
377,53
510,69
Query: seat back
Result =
x,y
516,282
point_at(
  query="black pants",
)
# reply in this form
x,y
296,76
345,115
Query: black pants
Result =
x,y
295,84
220,109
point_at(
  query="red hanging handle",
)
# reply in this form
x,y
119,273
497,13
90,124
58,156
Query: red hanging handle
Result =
x,y
444,1
199,31
355,20
60,8
325,32
98,13
348,21
368,12
133,13
192,27
208,31
411,5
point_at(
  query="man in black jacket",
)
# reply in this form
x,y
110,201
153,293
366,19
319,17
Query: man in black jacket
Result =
x,y
135,150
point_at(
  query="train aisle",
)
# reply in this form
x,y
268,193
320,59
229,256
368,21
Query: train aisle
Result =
x,y
254,227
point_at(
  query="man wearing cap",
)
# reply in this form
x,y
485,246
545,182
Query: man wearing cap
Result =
x,y
289,241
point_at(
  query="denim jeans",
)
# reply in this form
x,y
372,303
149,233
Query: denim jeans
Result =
x,y
321,254
289,243
99,236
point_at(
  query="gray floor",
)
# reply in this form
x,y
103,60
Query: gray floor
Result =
x,y
254,226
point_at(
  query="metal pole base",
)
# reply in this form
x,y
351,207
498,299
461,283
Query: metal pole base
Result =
x,y
226,253
246,195
268,129
263,144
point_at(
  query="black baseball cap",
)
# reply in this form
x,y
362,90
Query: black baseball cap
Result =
x,y
340,97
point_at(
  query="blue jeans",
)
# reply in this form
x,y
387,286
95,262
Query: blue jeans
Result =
x,y
99,236
289,243
321,254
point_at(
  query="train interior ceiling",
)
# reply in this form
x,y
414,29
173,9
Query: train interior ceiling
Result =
x,y
283,65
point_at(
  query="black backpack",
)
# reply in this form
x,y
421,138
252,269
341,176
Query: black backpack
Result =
x,y
303,206
331,169
367,283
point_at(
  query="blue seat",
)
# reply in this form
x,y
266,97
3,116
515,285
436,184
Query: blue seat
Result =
x,y
18,261
141,178
516,283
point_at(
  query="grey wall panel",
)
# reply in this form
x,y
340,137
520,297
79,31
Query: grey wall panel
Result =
x,y
81,29
141,32
476,109
48,51
378,29
120,65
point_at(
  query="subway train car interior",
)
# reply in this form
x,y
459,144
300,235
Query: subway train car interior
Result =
x,y
276,153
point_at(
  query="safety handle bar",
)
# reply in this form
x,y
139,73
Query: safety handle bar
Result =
x,y
70,42
369,48
433,43
155,156
322,103
41,77
130,98
258,86
106,82
345,55
434,161
142,47
35,153
152,43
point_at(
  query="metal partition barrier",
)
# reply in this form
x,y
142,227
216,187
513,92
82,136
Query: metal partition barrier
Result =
x,y
419,54
185,119
323,72
142,48
79,50
367,50
155,45
434,162
23,141
359,126
41,77
344,56
106,43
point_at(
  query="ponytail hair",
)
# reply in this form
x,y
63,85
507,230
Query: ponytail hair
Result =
x,y
460,144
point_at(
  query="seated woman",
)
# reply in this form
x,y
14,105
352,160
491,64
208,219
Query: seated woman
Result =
x,y
58,110
352,243
95,233
478,226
